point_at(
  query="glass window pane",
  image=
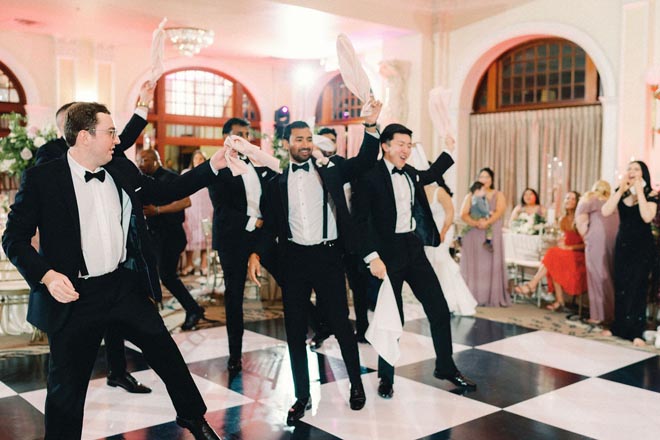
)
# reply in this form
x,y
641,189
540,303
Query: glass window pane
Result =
x,y
553,79
566,62
541,50
554,49
541,80
565,93
579,92
566,77
518,68
517,82
579,76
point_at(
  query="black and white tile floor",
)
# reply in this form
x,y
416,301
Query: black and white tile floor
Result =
x,y
531,385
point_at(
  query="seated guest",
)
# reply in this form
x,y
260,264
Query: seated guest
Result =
x,y
563,265
529,205
599,234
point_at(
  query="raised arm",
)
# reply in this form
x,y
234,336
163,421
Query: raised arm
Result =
x,y
356,166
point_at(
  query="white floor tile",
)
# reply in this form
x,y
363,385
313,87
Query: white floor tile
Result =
x,y
568,353
110,411
5,391
416,410
211,343
414,348
597,408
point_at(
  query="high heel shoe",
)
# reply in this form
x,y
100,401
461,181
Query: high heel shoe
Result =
x,y
188,270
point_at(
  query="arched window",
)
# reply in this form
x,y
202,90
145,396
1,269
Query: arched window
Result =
x,y
190,108
538,74
12,96
337,105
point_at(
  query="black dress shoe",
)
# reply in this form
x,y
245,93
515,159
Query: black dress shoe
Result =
x,y
357,398
297,411
385,388
234,364
360,338
200,428
457,379
317,340
192,319
129,383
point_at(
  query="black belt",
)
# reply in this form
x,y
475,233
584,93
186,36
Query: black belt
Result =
x,y
327,243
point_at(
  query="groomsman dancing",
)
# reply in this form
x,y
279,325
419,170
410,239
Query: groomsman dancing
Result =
x,y
306,211
393,213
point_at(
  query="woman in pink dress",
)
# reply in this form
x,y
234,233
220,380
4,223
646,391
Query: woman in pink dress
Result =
x,y
200,209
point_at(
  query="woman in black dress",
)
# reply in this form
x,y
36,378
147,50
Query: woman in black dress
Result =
x,y
634,252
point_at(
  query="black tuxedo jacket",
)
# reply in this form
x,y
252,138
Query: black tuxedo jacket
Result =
x,y
374,207
334,176
230,206
46,201
57,147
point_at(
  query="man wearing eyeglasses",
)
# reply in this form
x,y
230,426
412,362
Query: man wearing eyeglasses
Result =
x,y
118,375
96,268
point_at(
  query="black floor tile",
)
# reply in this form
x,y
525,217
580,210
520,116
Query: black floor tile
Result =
x,y
20,420
269,327
501,380
644,374
504,426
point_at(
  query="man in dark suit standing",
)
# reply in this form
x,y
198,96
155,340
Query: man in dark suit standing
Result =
x,y
118,376
394,214
306,212
165,224
237,221
95,267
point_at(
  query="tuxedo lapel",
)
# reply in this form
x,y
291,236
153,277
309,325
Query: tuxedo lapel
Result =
x,y
389,189
69,193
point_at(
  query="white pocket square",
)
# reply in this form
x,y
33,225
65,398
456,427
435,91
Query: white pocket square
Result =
x,y
138,188
264,174
331,164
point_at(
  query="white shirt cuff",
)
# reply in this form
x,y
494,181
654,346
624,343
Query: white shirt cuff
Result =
x,y
251,224
371,257
142,112
213,168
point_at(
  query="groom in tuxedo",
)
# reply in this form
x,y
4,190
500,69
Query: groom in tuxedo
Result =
x,y
394,214
306,212
95,267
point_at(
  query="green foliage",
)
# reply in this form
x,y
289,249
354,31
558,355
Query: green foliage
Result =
x,y
18,149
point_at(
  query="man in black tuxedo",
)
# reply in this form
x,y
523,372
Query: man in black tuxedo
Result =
x,y
118,376
306,212
95,266
394,214
237,221
165,224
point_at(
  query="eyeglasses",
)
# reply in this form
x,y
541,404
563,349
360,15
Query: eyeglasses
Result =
x,y
111,131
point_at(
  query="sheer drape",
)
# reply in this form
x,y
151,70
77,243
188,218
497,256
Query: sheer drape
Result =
x,y
519,145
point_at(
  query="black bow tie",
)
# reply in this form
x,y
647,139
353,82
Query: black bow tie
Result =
x,y
98,175
245,159
395,170
297,167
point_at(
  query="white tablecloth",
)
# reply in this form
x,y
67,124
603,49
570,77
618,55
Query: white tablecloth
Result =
x,y
522,247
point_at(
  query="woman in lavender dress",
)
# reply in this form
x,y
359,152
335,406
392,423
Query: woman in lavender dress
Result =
x,y
599,236
484,271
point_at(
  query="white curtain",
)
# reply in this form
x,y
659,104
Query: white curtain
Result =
x,y
519,146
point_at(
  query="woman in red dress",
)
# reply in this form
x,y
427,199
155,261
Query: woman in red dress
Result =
x,y
563,265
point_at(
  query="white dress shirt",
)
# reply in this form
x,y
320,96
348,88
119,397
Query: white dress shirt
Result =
x,y
252,186
404,195
305,192
102,237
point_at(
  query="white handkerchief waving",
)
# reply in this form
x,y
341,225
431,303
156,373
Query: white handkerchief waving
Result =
x,y
353,73
158,51
386,328
258,157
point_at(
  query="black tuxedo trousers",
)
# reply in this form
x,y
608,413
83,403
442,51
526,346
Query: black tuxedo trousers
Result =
x,y
319,268
413,267
116,299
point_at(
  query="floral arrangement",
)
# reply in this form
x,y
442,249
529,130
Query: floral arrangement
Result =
x,y
18,149
529,224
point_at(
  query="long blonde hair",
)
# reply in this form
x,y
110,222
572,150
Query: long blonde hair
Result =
x,y
601,189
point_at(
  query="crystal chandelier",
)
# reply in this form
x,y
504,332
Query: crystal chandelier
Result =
x,y
190,40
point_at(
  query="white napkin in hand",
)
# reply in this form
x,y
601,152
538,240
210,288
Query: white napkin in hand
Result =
x,y
386,328
254,153
353,73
